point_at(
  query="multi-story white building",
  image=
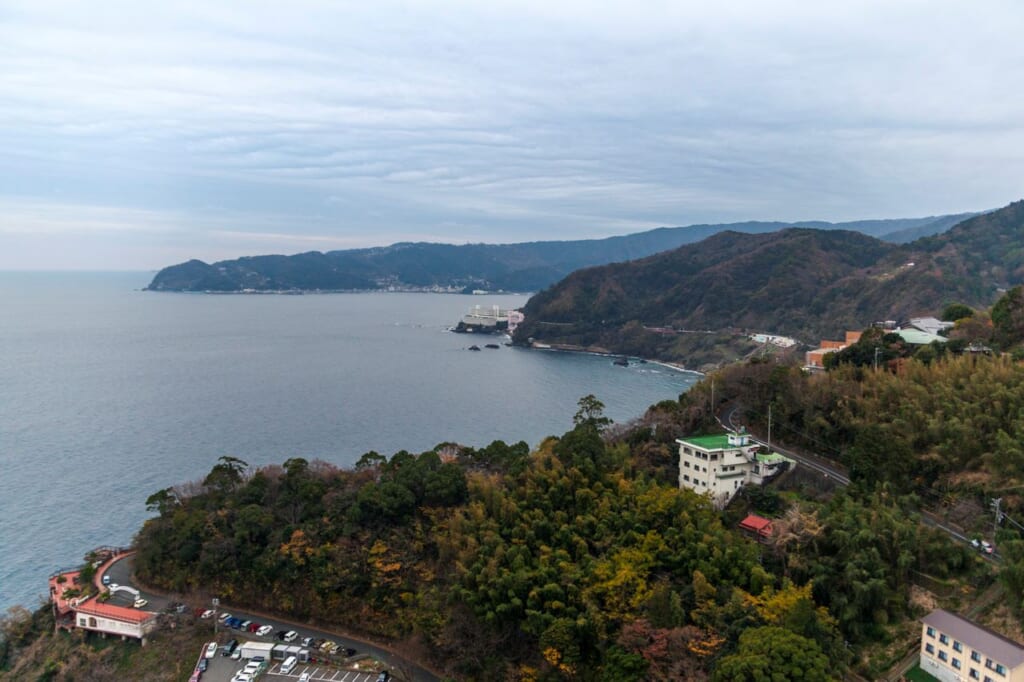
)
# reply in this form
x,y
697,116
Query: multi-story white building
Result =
x,y
954,649
720,465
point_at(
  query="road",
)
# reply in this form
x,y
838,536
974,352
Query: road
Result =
x,y
814,462
120,572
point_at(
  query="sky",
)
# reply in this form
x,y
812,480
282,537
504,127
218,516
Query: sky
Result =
x,y
135,135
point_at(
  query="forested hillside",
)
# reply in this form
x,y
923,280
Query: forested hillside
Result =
x,y
527,266
803,283
576,561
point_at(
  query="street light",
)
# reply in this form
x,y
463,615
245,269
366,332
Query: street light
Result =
x,y
216,602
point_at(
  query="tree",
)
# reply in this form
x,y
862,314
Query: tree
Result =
x,y
162,501
226,474
956,311
591,413
773,654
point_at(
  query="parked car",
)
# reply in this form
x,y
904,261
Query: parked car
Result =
x,y
307,641
254,627
224,617
206,614
229,648
211,650
196,676
203,664
350,652
279,635
244,625
265,630
106,579
982,545
290,636
305,677
384,676
236,654
139,602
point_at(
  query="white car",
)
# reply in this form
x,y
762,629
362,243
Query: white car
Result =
x,y
211,650
265,630
140,602
290,636
207,613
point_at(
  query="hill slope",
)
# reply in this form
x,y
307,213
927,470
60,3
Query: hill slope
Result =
x,y
513,267
800,282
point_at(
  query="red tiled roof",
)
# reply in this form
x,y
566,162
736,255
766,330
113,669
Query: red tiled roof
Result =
x,y
121,613
757,524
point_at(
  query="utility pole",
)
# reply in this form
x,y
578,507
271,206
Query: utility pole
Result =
x,y
877,351
995,523
769,426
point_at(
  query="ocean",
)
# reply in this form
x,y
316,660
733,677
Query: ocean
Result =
x,y
109,393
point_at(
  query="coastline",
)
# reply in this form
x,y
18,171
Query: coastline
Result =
x,y
564,348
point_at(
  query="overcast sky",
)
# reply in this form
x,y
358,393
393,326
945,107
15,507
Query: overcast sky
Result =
x,y
133,136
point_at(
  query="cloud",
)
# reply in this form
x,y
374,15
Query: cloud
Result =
x,y
499,121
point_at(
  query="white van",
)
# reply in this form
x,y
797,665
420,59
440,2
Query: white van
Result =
x,y
288,665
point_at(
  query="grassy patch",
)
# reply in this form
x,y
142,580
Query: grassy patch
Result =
x,y
915,674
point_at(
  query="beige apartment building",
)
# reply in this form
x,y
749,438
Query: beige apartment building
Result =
x,y
954,649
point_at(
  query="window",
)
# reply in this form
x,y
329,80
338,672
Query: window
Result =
x,y
686,478
943,656
686,464
989,679
976,657
944,639
931,631
957,646
81,621
1000,669
956,663
930,648
974,674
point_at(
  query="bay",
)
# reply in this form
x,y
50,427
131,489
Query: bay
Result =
x,y
109,393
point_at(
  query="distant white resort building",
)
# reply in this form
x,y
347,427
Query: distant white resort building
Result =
x,y
955,649
774,339
490,319
720,465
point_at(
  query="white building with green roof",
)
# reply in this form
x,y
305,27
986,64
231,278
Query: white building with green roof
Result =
x,y
722,464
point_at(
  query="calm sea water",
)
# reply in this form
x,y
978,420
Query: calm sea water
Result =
x,y
108,394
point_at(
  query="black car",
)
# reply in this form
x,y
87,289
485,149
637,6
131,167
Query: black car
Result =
x,y
204,663
280,634
230,647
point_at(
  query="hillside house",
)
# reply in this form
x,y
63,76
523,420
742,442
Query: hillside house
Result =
x,y
814,360
757,528
954,649
929,325
720,465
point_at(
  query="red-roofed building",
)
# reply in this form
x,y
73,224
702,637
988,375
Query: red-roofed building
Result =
x,y
72,610
757,527
114,620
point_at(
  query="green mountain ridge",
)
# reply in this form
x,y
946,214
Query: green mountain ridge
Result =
x,y
528,266
799,282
